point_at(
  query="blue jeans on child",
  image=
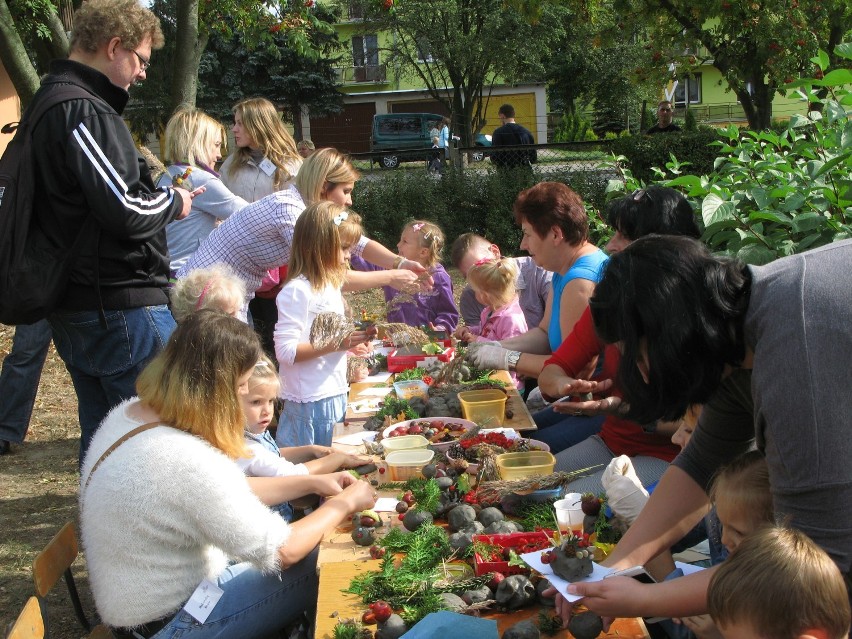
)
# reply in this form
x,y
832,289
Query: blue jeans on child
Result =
x,y
105,362
253,604
303,424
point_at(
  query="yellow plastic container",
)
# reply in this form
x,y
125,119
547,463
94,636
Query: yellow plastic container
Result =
x,y
485,407
527,464
404,442
405,464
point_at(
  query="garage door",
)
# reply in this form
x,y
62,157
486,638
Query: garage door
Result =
x,y
348,131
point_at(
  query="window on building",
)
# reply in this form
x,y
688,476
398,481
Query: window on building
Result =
x,y
365,51
356,11
688,90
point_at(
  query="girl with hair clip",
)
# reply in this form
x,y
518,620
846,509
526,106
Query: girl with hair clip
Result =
x,y
313,380
261,236
193,144
421,242
164,510
267,459
493,283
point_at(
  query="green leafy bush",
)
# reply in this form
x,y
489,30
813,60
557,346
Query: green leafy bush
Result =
x,y
573,127
645,152
771,193
473,200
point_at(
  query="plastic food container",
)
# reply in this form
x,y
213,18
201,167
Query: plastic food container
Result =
x,y
401,359
527,464
405,464
411,388
404,442
454,424
486,407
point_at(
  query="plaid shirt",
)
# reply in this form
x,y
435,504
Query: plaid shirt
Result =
x,y
257,238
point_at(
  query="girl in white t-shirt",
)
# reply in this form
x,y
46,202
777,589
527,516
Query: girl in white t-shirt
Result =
x,y
313,380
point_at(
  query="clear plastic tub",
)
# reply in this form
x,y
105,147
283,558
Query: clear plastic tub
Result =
x,y
405,464
485,407
404,442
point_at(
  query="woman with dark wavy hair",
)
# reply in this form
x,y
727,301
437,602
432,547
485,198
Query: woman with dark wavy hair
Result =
x,y
766,350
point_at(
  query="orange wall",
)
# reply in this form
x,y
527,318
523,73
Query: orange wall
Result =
x,y
10,105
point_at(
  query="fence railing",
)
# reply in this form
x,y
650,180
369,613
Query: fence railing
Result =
x,y
540,158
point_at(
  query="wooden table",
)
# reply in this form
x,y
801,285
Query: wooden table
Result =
x,y
332,604
521,420
340,559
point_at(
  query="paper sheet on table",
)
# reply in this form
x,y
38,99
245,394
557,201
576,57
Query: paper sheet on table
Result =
x,y
534,560
376,391
688,569
366,405
353,439
386,504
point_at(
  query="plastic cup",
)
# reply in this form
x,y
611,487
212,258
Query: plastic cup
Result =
x,y
569,513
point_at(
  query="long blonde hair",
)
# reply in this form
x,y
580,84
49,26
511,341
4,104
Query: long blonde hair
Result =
x,y
322,230
189,135
192,383
262,122
321,171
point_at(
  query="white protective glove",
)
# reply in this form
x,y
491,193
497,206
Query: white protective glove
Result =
x,y
625,493
488,356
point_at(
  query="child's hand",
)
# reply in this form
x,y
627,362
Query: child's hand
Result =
x,y
352,461
354,339
362,350
461,333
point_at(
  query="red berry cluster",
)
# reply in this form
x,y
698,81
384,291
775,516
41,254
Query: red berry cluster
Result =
x,y
492,439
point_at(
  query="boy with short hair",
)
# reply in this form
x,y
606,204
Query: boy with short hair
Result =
x,y
779,585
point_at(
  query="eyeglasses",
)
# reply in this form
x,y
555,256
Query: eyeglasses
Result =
x,y
640,193
142,61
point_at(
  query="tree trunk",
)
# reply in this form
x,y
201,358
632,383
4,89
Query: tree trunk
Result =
x,y
66,14
14,57
189,45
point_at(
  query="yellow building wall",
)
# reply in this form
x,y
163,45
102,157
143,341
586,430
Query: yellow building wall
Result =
x,y
10,106
525,113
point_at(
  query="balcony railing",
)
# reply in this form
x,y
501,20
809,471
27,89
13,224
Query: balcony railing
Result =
x,y
357,75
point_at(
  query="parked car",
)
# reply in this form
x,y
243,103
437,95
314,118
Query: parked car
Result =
x,y
404,137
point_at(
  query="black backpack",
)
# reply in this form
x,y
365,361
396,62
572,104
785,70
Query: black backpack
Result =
x,y
33,269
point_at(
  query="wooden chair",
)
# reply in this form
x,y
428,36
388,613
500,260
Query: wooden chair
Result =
x,y
54,562
29,624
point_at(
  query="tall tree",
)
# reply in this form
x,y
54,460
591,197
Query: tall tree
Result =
x,y
757,45
459,48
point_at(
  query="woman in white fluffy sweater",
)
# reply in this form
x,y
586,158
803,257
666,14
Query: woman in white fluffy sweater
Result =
x,y
168,513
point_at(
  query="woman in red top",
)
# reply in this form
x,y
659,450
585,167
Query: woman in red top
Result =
x,y
659,210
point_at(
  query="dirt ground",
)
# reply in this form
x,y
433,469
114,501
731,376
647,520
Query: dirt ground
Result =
x,y
39,485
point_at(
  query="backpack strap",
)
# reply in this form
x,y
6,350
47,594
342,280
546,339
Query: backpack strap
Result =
x,y
49,99
117,443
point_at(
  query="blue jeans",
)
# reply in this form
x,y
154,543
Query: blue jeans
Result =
x,y
561,431
105,362
303,424
19,379
253,604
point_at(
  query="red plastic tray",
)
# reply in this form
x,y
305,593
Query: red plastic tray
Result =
x,y
516,541
397,363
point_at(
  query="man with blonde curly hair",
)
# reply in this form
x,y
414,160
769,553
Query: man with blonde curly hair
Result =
x,y
94,187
